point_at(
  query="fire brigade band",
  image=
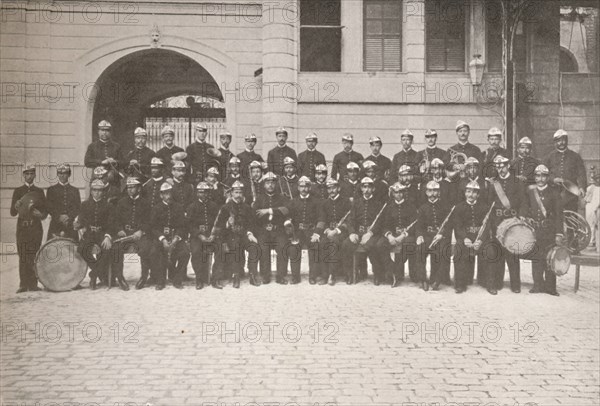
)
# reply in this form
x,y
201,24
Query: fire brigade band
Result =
x,y
226,213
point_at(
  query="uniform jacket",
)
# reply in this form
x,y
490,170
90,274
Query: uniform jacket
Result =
x,y
151,191
341,161
96,218
525,167
143,156
183,193
384,165
333,210
308,161
278,203
397,217
363,214
549,225
201,216
404,158
468,220
62,199
277,155
132,215
168,221
199,159
431,217
98,151
567,165
304,213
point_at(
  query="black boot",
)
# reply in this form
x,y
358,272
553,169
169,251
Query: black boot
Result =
x,y
254,279
425,286
199,283
396,281
332,280
236,281
141,283
93,280
436,286
122,283
215,284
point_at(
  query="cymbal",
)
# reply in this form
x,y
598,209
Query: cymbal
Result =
x,y
571,187
28,203
179,156
215,153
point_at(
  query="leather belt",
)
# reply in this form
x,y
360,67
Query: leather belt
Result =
x,y
305,226
96,229
236,229
363,229
473,230
26,223
129,228
333,225
203,228
167,231
399,230
270,227
432,229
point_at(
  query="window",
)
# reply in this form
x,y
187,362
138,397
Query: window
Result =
x,y
493,23
320,36
445,31
382,35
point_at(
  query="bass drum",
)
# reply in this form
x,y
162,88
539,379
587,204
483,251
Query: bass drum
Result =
x,y
58,265
559,260
516,236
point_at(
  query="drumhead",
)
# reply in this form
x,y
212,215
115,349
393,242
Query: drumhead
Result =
x,y
516,236
559,260
58,265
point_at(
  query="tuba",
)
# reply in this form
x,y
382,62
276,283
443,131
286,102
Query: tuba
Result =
x,y
459,159
578,233
425,163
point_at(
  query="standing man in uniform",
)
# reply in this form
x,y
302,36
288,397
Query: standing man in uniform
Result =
x,y
384,164
494,137
29,203
105,152
342,159
63,202
169,227
276,157
166,153
95,220
182,192
334,211
271,212
463,145
151,189
288,184
248,156
350,186
505,191
468,219
302,228
363,232
399,235
406,156
431,152
198,154
132,219
201,216
543,204
254,187
140,154
309,159
566,165
225,154
235,225
524,164
433,240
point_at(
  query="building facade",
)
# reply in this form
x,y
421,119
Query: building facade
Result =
x,y
368,67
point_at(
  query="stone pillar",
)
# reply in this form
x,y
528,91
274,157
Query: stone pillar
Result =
x,y
280,71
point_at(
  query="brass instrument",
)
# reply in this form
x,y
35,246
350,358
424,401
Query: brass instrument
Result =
x,y
458,158
425,164
578,233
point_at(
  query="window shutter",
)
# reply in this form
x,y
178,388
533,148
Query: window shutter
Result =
x,y
382,35
392,56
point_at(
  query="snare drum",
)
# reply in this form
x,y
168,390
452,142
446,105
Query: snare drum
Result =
x,y
559,260
516,236
58,265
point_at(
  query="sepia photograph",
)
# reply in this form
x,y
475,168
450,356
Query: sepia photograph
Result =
x,y
300,203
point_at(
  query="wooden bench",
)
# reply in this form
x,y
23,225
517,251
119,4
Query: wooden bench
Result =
x,y
592,259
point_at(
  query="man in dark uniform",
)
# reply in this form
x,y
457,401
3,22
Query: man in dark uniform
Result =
x,y
463,145
105,152
544,205
113,192
169,227
276,157
95,220
219,192
381,187
248,156
468,220
406,156
132,219
309,159
506,192
384,164
141,154
302,230
225,154
398,228
182,192
287,185
166,153
233,172
342,159
198,154
334,211
271,211
431,152
363,233
436,173
319,187
201,217
29,203
235,225
433,240
524,164
566,165
472,174
409,185
494,137
63,202
350,186
151,189
254,187
449,195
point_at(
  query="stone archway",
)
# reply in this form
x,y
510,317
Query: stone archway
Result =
x,y
96,65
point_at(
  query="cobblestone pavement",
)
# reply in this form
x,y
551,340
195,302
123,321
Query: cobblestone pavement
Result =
x,y
303,344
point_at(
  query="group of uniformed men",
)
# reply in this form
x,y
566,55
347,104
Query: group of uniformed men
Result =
x,y
225,211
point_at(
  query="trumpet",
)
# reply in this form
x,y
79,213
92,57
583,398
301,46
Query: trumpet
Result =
x,y
425,163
